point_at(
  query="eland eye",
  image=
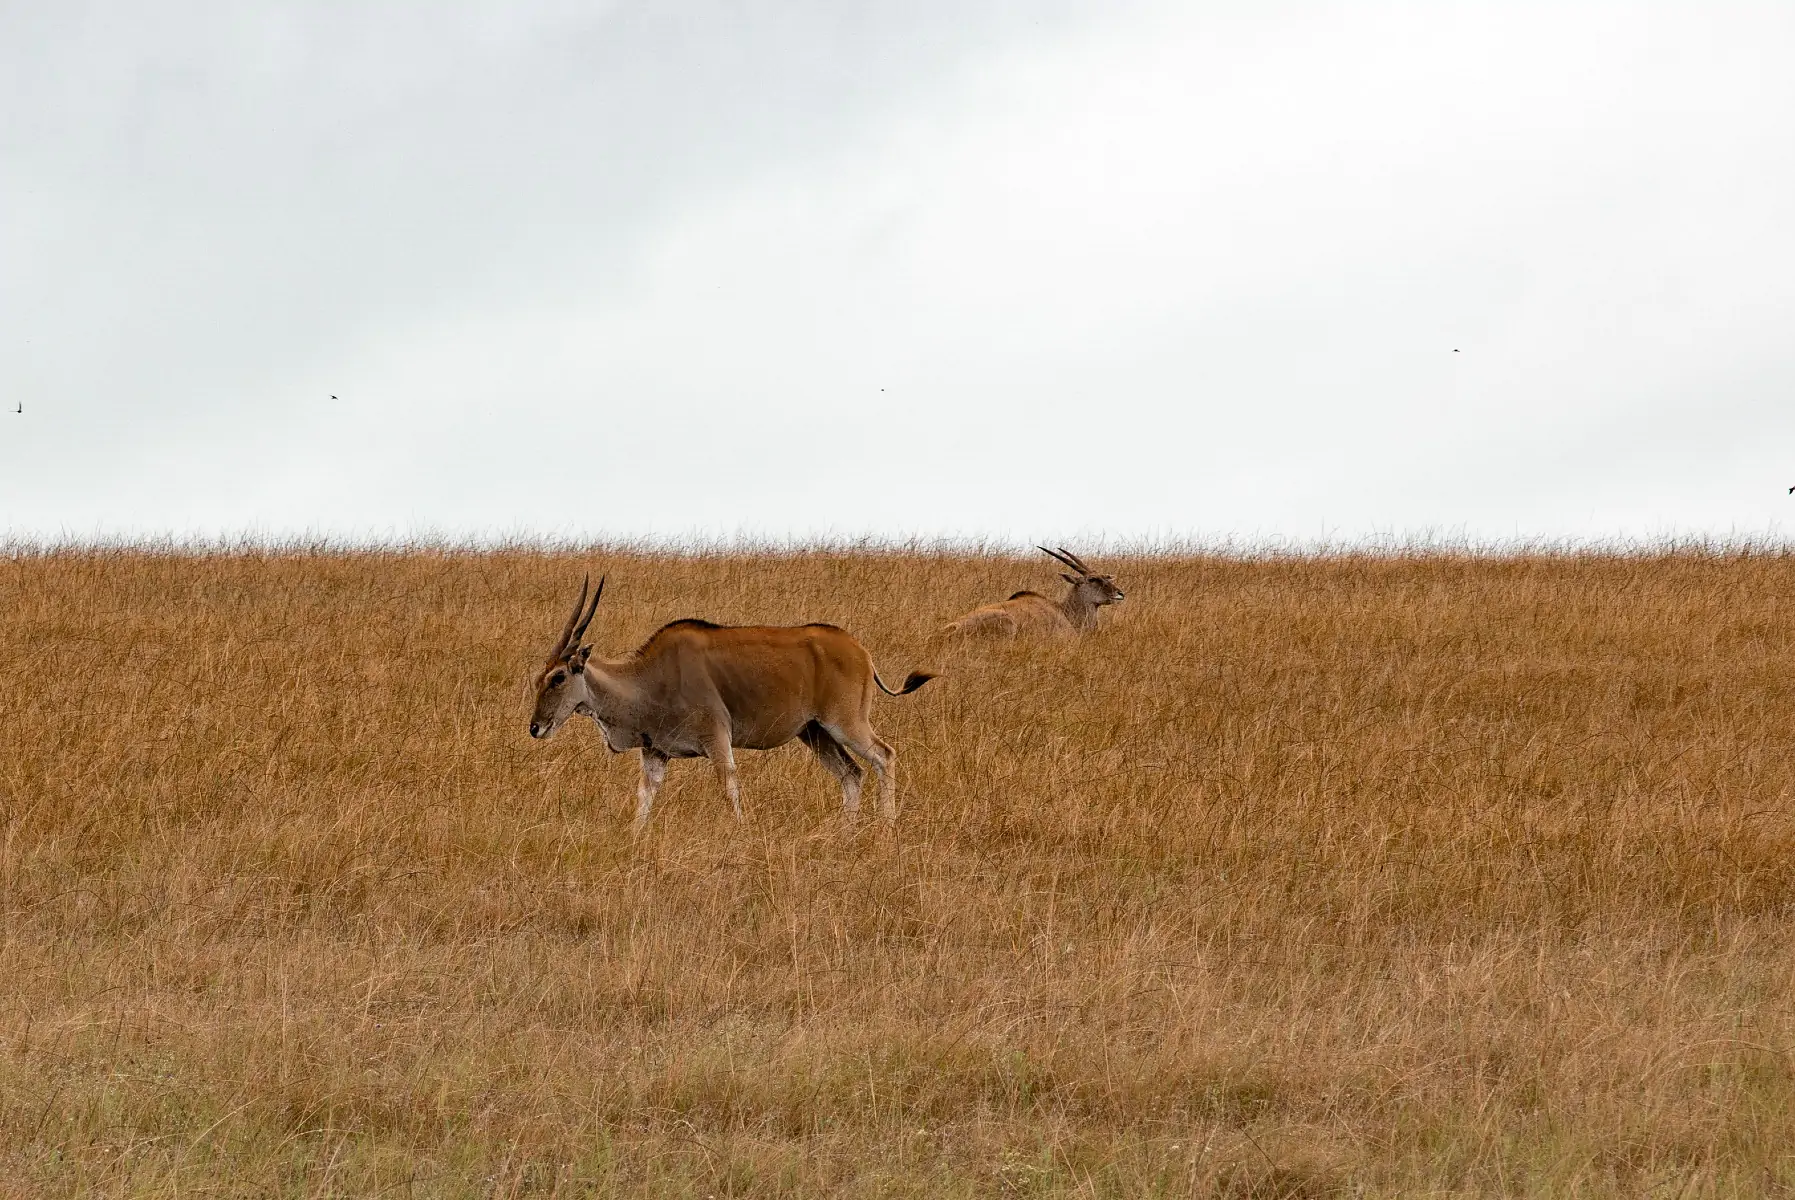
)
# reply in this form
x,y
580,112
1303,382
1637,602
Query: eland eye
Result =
x,y
557,679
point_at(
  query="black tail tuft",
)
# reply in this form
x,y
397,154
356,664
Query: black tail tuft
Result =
x,y
913,681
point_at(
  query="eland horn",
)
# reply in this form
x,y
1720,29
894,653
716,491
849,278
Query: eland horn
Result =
x,y
580,631
573,618
1067,557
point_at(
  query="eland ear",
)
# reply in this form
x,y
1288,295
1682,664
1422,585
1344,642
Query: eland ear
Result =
x,y
1074,580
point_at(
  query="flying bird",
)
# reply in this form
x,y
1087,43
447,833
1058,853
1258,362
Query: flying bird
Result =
x,y
333,397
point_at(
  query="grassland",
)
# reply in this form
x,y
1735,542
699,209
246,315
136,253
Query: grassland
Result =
x,y
1377,876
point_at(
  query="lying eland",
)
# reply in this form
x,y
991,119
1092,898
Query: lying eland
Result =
x,y
1031,612
697,690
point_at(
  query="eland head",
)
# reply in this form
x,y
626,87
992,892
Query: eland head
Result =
x,y
561,687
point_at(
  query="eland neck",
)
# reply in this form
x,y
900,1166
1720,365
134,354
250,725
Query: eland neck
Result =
x,y
1080,608
615,697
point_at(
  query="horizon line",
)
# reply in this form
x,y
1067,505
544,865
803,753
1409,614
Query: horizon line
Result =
x,y
1415,544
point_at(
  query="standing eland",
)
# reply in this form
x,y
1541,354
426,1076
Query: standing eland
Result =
x,y
697,690
1032,613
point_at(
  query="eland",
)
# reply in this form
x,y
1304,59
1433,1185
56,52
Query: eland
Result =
x,y
698,690
1031,612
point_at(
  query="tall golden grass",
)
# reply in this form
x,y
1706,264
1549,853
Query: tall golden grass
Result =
x,y
1376,875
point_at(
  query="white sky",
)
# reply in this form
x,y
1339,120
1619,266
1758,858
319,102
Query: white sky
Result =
x,y
1020,271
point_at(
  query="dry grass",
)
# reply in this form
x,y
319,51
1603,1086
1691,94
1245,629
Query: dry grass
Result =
x,y
1379,876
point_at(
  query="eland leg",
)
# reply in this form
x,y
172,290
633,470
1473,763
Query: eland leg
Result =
x,y
838,762
877,751
654,771
722,757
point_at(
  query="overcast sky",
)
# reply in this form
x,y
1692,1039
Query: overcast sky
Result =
x,y
1261,271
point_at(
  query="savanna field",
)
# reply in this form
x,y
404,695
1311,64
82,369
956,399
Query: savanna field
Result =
x,y
1342,875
